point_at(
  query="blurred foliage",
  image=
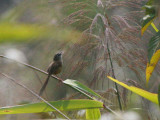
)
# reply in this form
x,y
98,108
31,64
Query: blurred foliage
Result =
x,y
19,32
28,32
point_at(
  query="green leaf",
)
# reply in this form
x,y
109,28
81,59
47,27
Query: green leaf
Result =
x,y
154,45
147,20
93,114
159,95
150,2
80,87
149,9
151,65
150,14
63,105
148,95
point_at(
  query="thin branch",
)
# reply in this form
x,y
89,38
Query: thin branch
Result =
x,y
107,108
32,67
113,74
13,80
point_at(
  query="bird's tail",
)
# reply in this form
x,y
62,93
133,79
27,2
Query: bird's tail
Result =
x,y
44,85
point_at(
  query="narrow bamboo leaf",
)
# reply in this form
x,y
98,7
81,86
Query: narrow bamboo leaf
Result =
x,y
80,86
148,95
159,95
150,66
63,105
154,27
150,15
93,114
147,20
154,45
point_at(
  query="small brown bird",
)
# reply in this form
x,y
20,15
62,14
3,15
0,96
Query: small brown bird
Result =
x,y
54,68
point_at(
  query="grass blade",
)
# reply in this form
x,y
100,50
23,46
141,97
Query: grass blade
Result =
x,y
62,105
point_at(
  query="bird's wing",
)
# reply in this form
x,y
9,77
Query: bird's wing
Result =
x,y
50,66
54,67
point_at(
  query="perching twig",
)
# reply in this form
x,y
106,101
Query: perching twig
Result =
x,y
32,67
13,80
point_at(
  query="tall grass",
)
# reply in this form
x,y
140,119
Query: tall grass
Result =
x,y
110,44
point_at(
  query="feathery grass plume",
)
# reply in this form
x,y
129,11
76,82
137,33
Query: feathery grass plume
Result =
x,y
101,25
102,22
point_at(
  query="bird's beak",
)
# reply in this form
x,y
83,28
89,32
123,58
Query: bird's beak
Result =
x,y
62,52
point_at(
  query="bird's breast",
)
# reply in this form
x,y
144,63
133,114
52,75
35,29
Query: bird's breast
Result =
x,y
58,70
55,67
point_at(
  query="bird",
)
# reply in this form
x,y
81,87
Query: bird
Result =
x,y
54,68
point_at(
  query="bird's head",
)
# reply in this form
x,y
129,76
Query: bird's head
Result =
x,y
58,56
